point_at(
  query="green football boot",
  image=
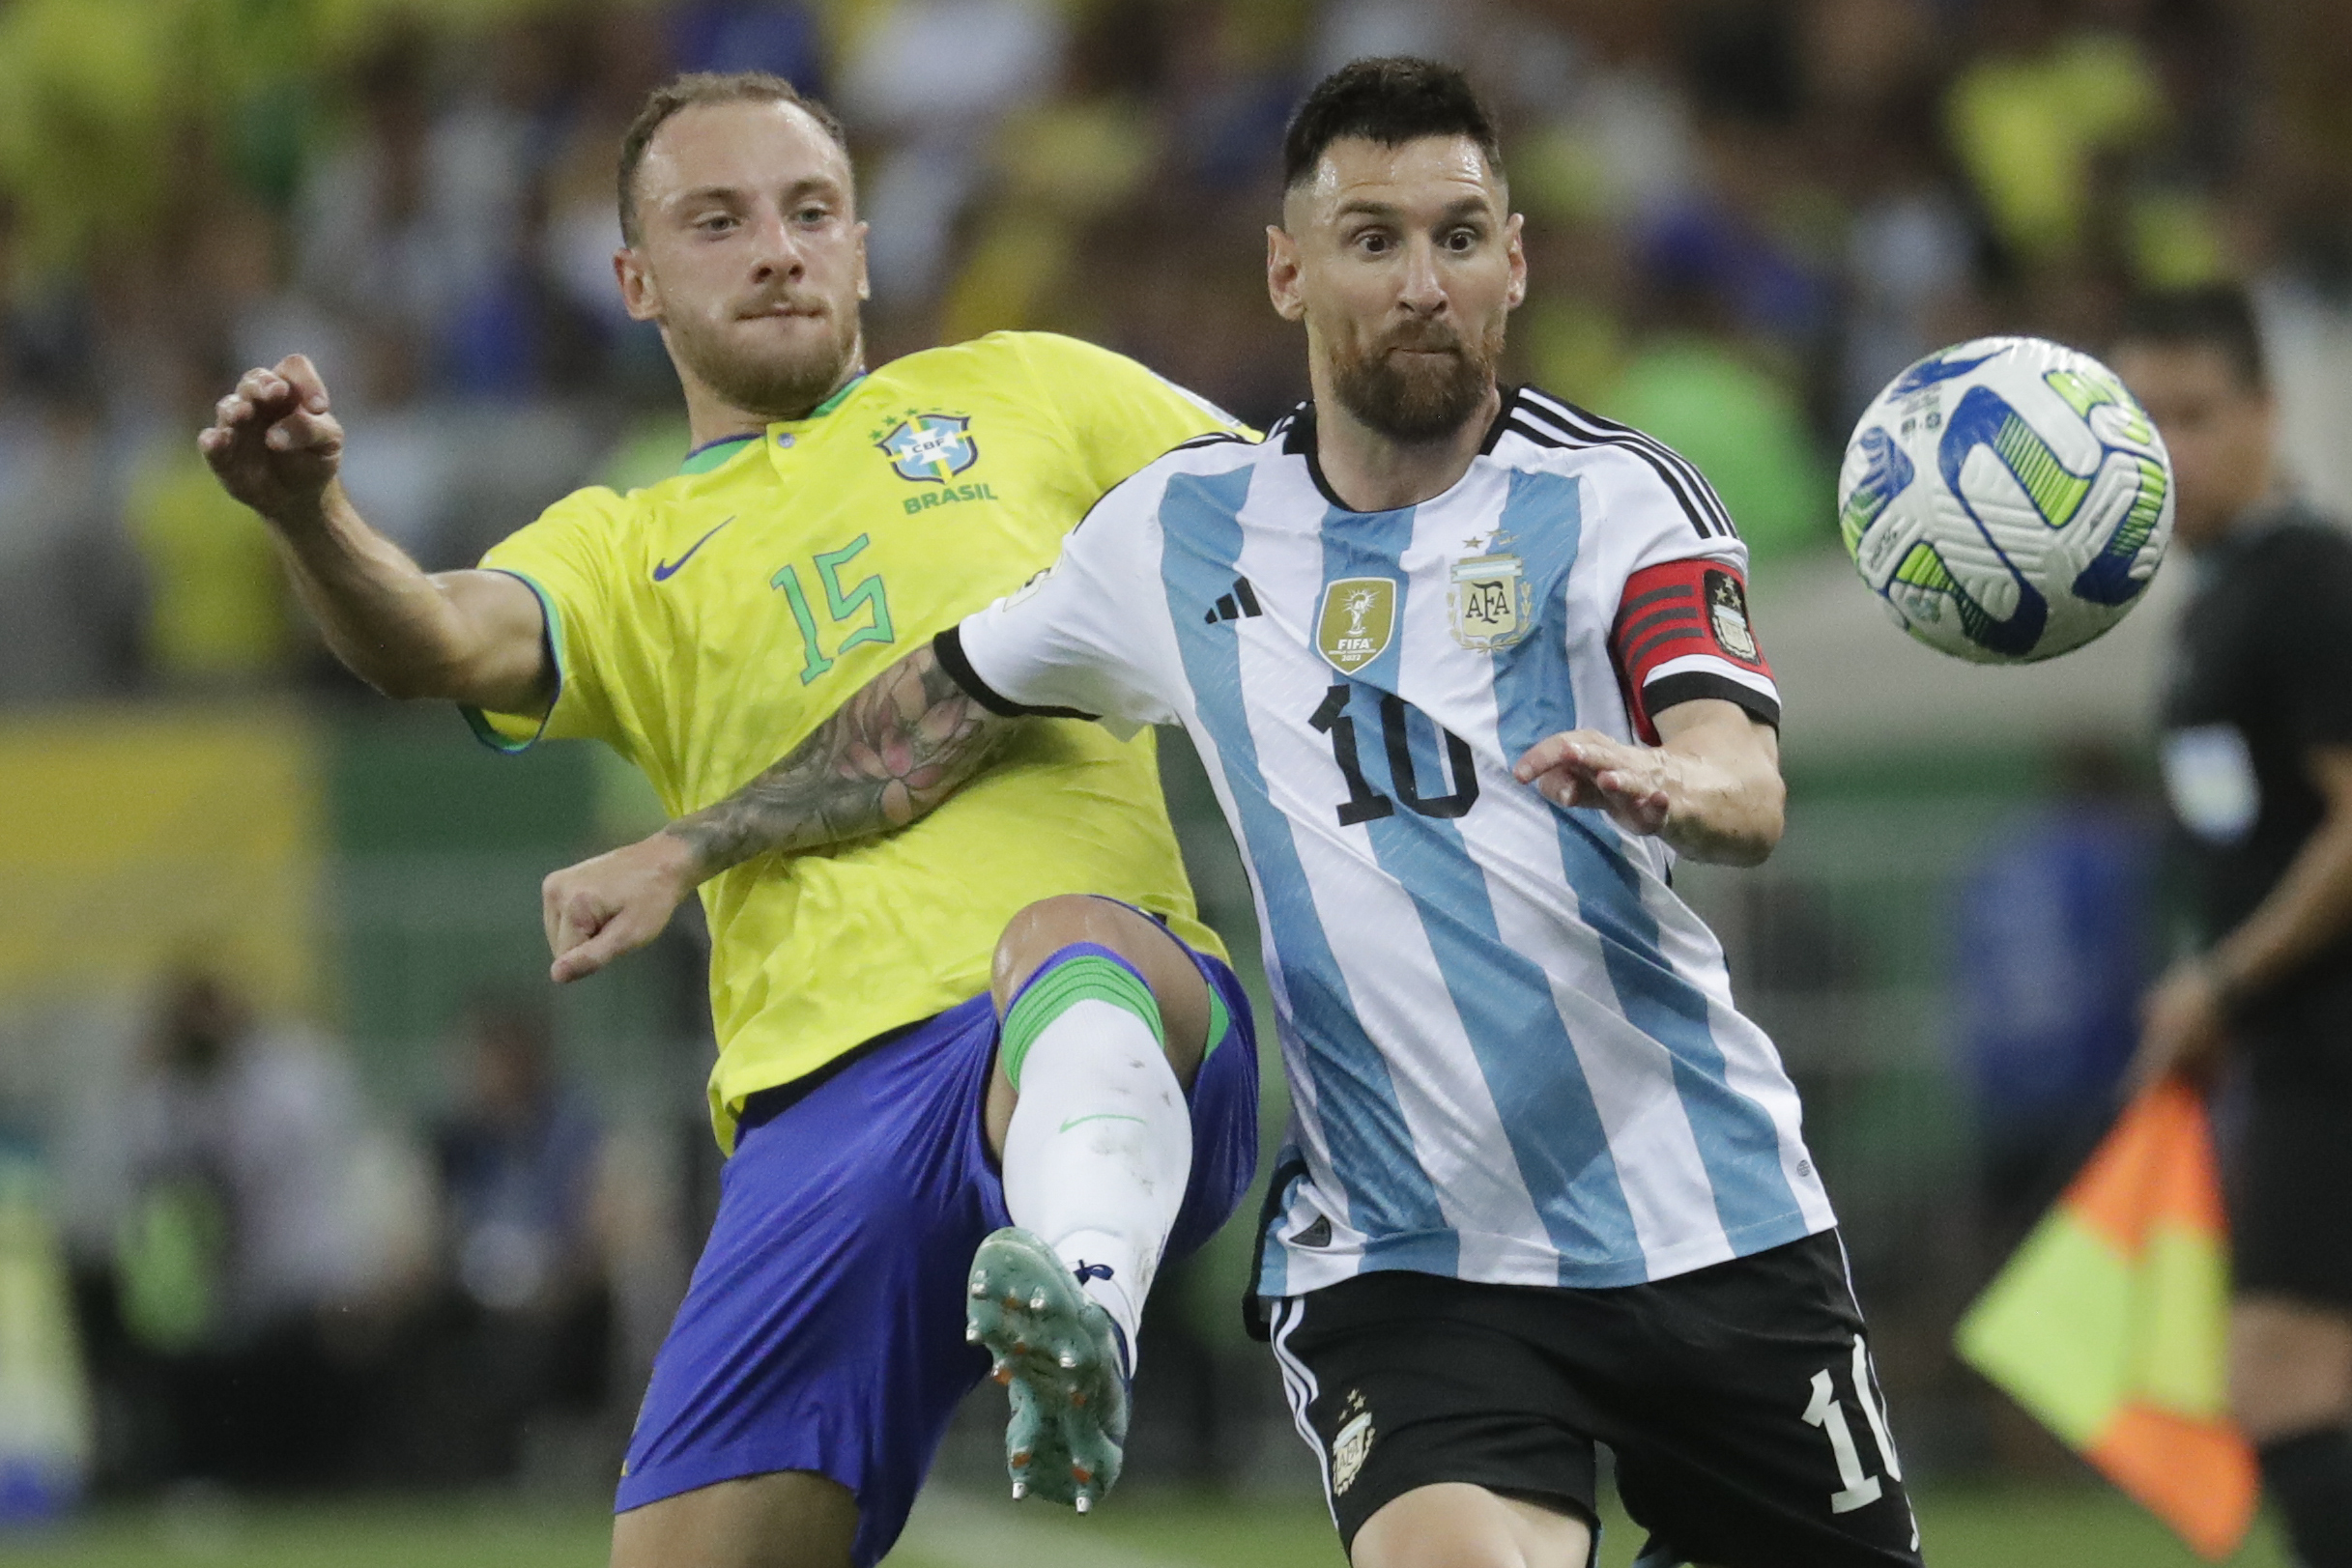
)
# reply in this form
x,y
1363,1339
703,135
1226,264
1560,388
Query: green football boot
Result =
x,y
1062,1360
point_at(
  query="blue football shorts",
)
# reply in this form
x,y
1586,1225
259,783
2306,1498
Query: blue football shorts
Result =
x,y
823,1330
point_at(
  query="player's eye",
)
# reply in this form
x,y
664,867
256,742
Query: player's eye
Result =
x,y
1373,241
812,215
715,222
1461,240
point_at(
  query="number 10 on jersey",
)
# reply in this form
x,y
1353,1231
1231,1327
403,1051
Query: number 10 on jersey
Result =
x,y
1367,804
1858,1488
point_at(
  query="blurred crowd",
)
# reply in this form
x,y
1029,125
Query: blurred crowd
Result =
x,y
271,1288
1743,215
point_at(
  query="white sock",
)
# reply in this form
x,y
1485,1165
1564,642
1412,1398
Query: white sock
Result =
x,y
1100,1143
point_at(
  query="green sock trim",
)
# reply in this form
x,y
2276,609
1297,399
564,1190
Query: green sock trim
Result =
x,y
1220,1022
1087,978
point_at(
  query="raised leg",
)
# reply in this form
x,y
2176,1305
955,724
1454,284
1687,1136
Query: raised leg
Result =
x,y
1106,1021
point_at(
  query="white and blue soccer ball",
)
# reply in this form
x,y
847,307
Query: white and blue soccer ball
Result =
x,y
2007,499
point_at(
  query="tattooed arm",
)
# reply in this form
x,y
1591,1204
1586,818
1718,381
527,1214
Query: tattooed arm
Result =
x,y
889,756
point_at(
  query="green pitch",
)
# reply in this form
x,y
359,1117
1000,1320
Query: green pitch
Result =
x,y
2005,1528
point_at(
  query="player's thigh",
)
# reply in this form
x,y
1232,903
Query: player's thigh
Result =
x,y
2290,1365
1746,1418
788,1518
1432,1413
823,1330
1454,1524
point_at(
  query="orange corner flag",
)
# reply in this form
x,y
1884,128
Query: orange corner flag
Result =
x,y
2111,1324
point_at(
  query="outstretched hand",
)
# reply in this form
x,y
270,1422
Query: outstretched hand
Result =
x,y
272,443
614,904
1583,767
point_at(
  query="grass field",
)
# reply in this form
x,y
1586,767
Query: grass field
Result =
x,y
2020,1528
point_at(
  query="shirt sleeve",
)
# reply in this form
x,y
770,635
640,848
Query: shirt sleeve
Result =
x,y
1682,629
1072,643
2311,657
1119,415
567,558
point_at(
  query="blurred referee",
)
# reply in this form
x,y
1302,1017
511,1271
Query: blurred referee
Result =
x,y
2257,754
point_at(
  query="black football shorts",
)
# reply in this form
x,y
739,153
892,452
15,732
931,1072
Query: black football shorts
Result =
x,y
2287,1175
1747,1424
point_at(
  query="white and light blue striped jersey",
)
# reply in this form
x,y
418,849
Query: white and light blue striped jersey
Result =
x,y
1513,1050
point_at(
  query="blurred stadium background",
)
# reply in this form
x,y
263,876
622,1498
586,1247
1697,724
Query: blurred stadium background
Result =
x,y
327,1235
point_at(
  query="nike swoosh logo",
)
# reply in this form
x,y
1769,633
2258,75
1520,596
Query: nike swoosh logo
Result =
x,y
663,571
1099,1115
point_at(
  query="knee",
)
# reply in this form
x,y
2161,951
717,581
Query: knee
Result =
x,y
1039,931
1056,923
1042,929
1179,991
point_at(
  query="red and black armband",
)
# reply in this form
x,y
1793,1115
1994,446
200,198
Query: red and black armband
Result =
x,y
1683,633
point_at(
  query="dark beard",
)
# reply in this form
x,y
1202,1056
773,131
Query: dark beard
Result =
x,y
772,388
1425,403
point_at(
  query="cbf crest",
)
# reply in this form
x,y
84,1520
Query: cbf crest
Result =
x,y
1488,599
934,447
1358,621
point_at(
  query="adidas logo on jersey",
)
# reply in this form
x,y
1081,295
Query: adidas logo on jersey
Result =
x,y
1238,605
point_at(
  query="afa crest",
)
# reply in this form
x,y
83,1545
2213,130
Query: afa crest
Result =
x,y
1488,598
1727,610
1353,1444
935,446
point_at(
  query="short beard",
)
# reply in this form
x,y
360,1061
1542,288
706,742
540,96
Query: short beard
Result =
x,y
1429,401
770,388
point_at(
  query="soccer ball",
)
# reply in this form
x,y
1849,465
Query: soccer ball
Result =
x,y
2006,498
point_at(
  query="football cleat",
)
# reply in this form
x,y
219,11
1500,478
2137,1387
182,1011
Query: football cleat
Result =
x,y
1064,1366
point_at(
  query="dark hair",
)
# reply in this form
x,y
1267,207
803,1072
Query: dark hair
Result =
x,y
708,87
1391,101
2217,316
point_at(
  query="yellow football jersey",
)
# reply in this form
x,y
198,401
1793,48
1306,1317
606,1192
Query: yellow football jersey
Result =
x,y
704,625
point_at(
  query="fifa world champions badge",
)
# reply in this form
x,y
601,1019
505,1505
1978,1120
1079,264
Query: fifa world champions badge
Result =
x,y
1358,619
1490,599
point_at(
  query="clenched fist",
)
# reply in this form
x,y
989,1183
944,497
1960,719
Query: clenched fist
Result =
x,y
274,444
615,903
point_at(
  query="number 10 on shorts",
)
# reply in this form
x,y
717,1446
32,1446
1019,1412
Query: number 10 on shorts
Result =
x,y
1858,1488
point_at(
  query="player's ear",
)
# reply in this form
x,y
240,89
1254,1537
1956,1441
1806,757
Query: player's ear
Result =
x,y
638,294
1515,242
1282,273
865,287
